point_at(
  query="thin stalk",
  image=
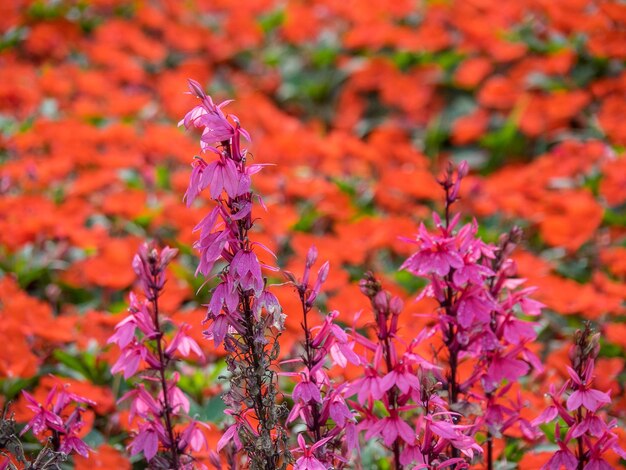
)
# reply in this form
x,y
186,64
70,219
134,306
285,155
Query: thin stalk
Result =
x,y
308,360
163,360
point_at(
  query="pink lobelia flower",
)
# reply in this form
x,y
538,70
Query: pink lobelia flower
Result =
x,y
247,271
308,461
391,428
585,395
436,255
146,441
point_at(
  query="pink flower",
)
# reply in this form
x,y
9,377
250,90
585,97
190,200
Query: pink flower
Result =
x,y
146,441
505,367
437,255
129,360
402,377
562,458
246,270
306,391
591,424
216,128
193,436
74,444
339,411
585,395
217,329
589,398
229,435
391,428
220,175
211,247
143,404
475,305
43,419
308,461
368,387
183,343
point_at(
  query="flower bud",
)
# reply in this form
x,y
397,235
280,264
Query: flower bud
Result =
x,y
311,256
463,169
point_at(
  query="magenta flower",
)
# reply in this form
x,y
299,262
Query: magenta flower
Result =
x,y
183,343
402,377
48,417
505,367
146,441
129,361
436,255
211,247
241,317
43,419
589,398
216,128
220,175
73,444
475,305
308,461
247,271
562,458
584,395
193,436
391,428
591,424
367,388
229,435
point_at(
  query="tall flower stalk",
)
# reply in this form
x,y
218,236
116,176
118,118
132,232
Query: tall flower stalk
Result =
x,y
398,395
583,433
330,435
156,400
480,316
242,314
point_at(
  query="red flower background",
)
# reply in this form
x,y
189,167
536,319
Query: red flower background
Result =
x,y
358,104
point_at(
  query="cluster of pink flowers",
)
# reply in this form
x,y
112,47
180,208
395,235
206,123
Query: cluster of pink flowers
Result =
x,y
424,410
480,316
59,419
397,396
243,314
156,400
330,424
582,434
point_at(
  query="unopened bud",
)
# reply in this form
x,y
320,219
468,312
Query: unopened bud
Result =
x,y
395,305
311,256
463,169
381,302
196,89
322,274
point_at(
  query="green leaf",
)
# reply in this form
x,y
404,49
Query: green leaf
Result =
x,y
162,177
272,21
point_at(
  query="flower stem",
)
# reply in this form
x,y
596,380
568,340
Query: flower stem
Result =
x,y
163,361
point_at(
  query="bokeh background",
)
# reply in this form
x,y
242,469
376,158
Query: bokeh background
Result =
x,y
359,104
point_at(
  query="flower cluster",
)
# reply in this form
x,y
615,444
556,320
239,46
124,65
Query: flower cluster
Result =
x,y
582,433
59,419
330,424
157,401
242,315
397,396
480,315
